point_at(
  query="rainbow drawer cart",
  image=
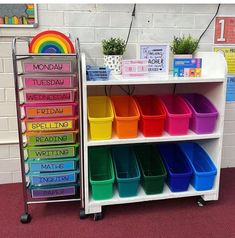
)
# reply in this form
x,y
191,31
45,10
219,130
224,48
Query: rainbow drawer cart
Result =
x,y
48,114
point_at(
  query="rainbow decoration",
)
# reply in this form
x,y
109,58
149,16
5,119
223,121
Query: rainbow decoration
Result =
x,y
51,42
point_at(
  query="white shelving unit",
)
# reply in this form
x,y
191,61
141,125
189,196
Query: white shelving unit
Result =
x,y
212,84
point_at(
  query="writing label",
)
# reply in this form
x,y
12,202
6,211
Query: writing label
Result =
x,y
54,111
56,67
48,97
55,192
51,153
50,125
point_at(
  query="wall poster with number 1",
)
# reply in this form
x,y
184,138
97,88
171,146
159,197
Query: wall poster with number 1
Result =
x,y
157,56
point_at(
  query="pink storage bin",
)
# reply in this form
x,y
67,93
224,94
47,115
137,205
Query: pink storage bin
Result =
x,y
178,114
50,110
49,81
134,68
47,66
50,96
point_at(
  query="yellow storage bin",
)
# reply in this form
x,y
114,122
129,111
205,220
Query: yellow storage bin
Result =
x,y
100,116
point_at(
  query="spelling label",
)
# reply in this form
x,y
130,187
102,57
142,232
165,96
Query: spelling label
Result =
x,y
52,166
53,111
53,67
48,82
50,125
49,96
53,192
53,179
51,153
51,139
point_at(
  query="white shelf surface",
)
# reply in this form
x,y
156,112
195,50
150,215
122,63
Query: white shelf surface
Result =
x,y
164,138
142,196
153,79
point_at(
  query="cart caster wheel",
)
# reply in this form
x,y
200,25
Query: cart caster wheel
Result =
x,y
201,202
25,218
83,214
98,216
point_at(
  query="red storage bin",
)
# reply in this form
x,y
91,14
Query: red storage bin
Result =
x,y
178,114
152,115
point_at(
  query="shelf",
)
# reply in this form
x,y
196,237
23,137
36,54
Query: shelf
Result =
x,y
153,79
142,197
164,138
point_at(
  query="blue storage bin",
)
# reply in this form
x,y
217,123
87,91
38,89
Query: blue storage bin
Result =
x,y
179,171
126,170
204,170
52,165
96,73
53,178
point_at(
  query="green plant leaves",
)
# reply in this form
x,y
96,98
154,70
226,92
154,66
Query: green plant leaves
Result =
x,y
113,46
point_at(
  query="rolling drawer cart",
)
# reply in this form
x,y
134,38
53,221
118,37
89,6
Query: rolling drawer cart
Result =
x,y
70,192
211,84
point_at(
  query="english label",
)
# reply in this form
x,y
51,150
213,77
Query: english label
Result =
x,y
54,67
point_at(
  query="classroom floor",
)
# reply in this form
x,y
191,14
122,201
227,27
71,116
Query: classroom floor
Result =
x,y
159,219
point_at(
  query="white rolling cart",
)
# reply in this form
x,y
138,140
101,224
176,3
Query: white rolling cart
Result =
x,y
211,84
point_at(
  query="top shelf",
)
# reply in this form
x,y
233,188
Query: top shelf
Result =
x,y
153,79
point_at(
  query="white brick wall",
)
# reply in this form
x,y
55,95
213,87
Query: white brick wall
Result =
x,y
92,23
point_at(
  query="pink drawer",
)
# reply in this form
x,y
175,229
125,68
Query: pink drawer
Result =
x,y
49,81
50,110
47,66
50,96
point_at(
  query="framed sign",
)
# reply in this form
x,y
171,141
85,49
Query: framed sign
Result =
x,y
224,30
157,56
229,54
18,15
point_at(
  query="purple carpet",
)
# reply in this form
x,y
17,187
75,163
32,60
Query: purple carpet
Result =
x,y
174,218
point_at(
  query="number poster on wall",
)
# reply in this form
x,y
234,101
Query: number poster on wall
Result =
x,y
224,30
157,56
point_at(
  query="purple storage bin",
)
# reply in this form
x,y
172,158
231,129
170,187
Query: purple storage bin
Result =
x,y
204,114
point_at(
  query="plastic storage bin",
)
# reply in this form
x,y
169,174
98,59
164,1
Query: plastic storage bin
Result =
x,y
53,178
51,124
152,115
52,152
53,191
49,138
101,173
178,169
126,170
49,96
52,165
204,114
100,116
126,115
96,73
50,110
204,170
49,81
178,114
153,173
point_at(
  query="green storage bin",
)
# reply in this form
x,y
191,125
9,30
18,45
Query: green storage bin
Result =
x,y
153,172
101,173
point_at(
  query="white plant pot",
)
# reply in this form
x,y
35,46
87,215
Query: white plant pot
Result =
x,y
114,62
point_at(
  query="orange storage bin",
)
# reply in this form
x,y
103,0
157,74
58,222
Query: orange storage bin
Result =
x,y
126,115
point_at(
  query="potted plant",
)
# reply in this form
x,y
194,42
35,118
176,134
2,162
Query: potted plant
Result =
x,y
184,47
113,50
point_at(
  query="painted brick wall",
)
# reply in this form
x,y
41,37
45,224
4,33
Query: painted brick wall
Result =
x,y
91,23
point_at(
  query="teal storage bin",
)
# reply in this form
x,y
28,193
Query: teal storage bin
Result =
x,y
204,170
126,170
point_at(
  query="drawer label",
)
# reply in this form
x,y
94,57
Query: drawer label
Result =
x,y
52,166
47,67
53,111
51,139
49,97
54,192
49,125
51,153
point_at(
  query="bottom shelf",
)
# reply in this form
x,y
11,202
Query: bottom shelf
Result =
x,y
142,196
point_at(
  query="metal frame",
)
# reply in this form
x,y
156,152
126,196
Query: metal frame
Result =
x,y
25,218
